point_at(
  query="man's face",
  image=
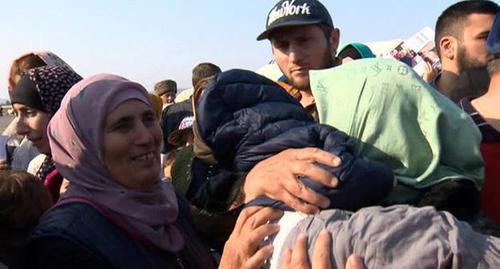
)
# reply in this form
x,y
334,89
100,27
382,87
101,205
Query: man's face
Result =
x,y
168,97
298,49
472,51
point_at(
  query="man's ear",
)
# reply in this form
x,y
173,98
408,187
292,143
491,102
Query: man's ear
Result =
x,y
334,40
448,47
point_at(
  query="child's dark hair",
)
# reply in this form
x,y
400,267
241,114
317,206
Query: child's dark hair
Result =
x,y
23,200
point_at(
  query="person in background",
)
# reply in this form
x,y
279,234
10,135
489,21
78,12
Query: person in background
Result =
x,y
23,200
354,51
166,89
172,116
461,33
35,99
25,152
183,139
485,111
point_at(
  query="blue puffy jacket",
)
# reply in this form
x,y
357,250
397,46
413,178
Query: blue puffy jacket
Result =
x,y
245,118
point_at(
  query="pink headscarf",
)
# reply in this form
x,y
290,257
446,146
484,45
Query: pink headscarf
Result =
x,y
75,135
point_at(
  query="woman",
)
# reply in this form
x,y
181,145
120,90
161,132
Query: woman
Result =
x,y
26,152
35,99
117,213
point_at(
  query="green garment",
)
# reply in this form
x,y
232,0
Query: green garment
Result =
x,y
398,119
363,50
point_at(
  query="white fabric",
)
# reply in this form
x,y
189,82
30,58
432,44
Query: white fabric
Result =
x,y
286,223
36,163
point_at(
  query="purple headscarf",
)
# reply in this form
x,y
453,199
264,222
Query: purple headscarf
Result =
x,y
75,135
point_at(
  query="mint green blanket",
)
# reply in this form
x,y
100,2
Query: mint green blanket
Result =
x,y
400,120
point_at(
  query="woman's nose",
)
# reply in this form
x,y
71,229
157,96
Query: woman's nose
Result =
x,y
21,127
143,135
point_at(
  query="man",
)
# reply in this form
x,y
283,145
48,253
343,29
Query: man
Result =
x,y
485,111
303,38
461,32
166,89
172,116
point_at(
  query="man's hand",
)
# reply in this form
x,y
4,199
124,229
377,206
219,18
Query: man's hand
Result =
x,y
298,258
252,227
277,178
430,72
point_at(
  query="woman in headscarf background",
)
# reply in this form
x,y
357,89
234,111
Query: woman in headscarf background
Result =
x,y
26,152
35,99
355,51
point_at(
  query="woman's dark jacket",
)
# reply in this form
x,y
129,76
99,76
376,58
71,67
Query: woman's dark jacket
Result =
x,y
76,235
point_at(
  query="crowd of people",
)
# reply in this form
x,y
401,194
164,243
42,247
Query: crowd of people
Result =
x,y
345,161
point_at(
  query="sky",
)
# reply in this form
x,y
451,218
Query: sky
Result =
x,y
152,40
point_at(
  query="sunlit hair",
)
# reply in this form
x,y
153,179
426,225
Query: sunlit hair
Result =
x,y
21,65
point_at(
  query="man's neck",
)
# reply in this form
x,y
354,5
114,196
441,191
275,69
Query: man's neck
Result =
x,y
447,81
307,98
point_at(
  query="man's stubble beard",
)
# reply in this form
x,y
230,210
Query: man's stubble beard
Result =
x,y
466,62
329,62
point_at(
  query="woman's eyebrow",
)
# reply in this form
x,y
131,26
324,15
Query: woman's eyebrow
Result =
x,y
120,120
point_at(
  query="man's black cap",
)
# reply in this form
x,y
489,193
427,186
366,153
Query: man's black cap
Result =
x,y
296,12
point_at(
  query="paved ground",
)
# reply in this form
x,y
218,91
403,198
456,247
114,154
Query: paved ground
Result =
x,y
4,121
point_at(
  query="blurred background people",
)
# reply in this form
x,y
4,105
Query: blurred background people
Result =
x,y
167,90
173,115
354,51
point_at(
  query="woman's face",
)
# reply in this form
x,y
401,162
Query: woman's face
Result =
x,y
32,123
131,145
